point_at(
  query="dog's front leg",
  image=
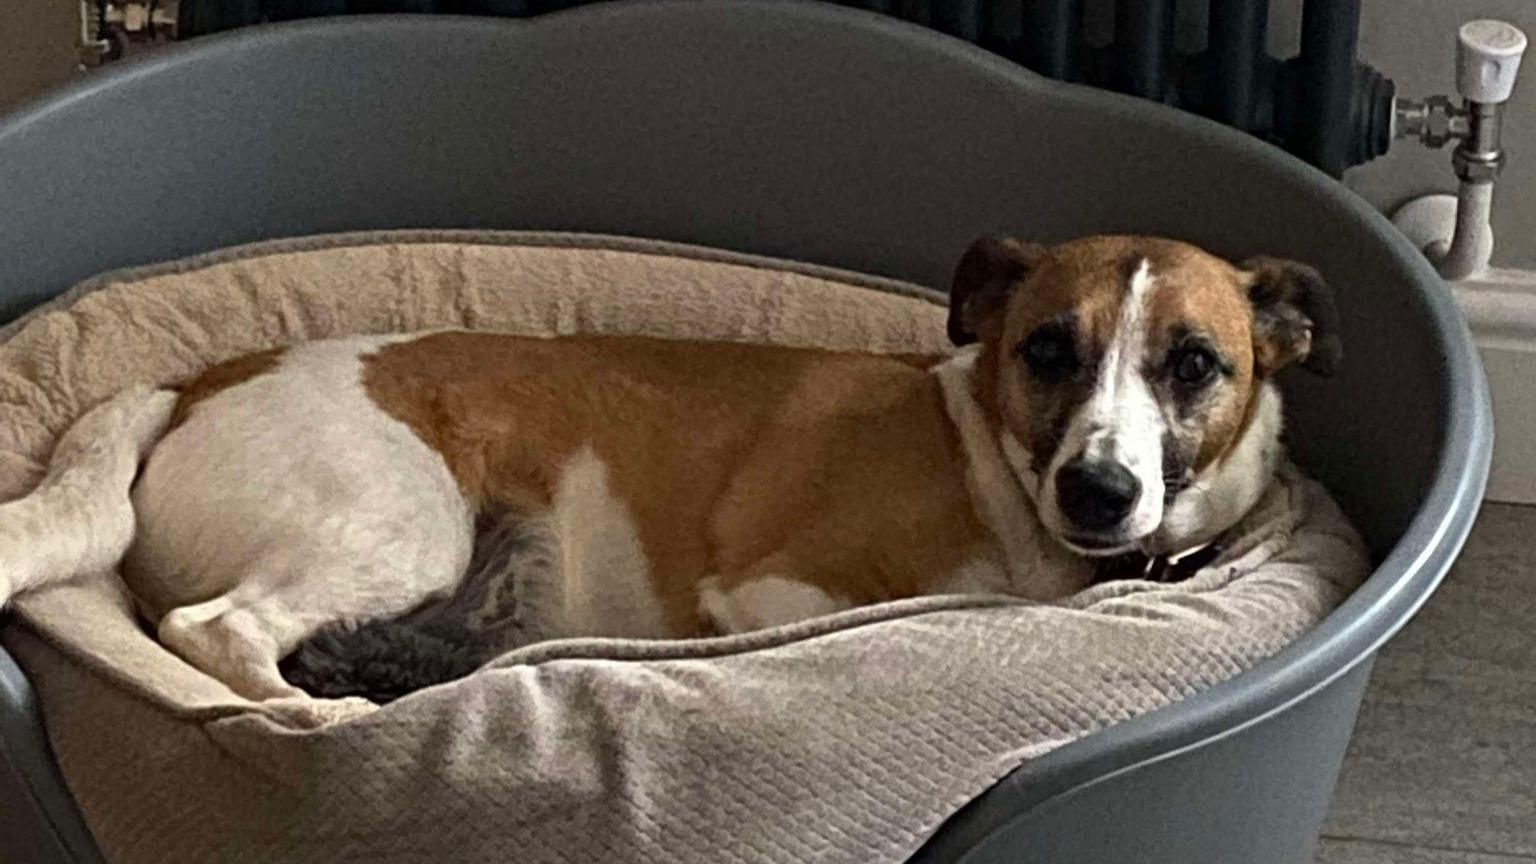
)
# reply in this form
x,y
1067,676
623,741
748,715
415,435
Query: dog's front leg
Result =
x,y
754,602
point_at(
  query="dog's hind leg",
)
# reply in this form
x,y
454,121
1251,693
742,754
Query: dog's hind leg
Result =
x,y
284,503
237,644
241,637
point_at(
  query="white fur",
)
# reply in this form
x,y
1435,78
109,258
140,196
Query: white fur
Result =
x,y
363,520
765,601
1022,465
1036,568
1121,421
605,582
79,519
1226,490
292,501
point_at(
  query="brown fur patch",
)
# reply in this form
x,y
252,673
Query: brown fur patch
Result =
x,y
1201,294
1083,281
1086,281
733,460
216,379
1250,411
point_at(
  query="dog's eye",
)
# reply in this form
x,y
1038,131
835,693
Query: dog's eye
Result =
x,y
1192,366
1050,353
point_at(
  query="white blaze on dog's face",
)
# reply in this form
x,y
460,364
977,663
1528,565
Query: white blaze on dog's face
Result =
x,y
1126,372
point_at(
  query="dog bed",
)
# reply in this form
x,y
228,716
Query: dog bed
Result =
x,y
846,738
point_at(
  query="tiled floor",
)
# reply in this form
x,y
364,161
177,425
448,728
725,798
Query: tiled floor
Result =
x,y
1442,768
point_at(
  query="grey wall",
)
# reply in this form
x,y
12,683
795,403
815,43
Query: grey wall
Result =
x,y
1412,41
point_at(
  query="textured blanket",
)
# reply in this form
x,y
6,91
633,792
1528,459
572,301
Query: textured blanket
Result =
x,y
844,739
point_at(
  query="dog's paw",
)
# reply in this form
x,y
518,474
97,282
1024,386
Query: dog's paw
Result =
x,y
328,711
307,713
762,602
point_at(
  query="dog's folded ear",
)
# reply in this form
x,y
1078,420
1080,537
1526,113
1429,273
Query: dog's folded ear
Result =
x,y
985,278
1294,318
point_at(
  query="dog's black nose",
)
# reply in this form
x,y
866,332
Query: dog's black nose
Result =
x,y
1096,496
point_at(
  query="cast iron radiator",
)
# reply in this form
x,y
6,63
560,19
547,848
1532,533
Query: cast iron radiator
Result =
x,y
1322,105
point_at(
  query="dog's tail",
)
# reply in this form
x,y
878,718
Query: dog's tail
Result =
x,y
80,518
498,605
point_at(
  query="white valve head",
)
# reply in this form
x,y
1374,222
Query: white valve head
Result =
x,y
1487,60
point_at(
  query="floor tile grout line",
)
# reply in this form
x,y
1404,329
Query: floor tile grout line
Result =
x,y
1429,847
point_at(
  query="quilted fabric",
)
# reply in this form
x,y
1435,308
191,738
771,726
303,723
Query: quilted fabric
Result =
x,y
845,739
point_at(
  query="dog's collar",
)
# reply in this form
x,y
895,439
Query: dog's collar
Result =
x,y
1156,568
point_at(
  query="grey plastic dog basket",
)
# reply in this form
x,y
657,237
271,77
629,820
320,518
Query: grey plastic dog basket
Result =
x,y
827,135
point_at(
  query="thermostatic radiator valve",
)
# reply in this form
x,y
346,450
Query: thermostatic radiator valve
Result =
x,y
1453,230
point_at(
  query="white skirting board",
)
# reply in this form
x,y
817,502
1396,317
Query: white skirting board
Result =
x,y
1500,307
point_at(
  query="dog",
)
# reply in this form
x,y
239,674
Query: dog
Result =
x,y
1110,396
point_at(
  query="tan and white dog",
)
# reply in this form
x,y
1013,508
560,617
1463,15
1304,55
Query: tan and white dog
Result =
x,y
1119,398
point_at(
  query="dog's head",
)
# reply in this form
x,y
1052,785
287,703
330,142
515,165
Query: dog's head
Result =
x,y
1125,374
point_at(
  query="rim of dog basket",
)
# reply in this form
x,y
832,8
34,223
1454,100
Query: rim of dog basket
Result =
x,y
1401,582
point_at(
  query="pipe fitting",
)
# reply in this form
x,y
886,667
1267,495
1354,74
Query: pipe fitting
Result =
x,y
1435,120
1455,233
1477,167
